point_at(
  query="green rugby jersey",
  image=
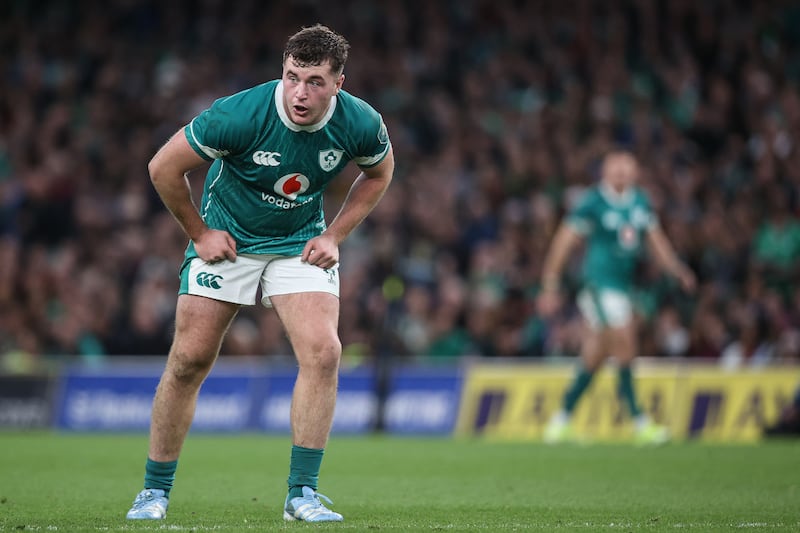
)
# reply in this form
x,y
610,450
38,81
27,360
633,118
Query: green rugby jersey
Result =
x,y
266,183
614,227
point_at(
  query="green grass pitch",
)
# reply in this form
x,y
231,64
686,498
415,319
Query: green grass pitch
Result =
x,y
63,482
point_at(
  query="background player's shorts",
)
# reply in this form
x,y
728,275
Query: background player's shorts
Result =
x,y
605,308
238,281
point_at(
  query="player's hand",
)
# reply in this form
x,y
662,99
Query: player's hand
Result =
x,y
687,280
549,302
321,251
214,246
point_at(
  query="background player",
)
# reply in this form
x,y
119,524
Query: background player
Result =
x,y
275,148
614,218
788,423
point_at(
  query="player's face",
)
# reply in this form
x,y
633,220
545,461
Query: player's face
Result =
x,y
307,90
620,171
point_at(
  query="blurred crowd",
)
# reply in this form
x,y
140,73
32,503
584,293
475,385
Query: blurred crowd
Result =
x,y
498,111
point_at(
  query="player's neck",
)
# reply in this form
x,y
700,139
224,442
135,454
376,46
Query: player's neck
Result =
x,y
616,195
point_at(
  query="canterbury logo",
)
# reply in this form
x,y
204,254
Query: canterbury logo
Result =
x,y
206,279
267,159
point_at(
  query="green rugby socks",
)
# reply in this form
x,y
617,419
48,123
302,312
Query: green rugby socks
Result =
x,y
626,391
158,475
304,469
576,389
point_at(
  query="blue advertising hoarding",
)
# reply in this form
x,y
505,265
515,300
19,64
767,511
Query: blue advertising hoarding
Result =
x,y
423,400
258,398
356,401
26,401
98,402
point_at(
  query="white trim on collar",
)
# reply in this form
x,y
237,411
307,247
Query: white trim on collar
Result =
x,y
614,198
297,127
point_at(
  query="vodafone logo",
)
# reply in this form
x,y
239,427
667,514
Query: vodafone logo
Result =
x,y
627,236
291,185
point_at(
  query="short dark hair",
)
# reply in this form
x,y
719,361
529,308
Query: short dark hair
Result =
x,y
316,44
617,150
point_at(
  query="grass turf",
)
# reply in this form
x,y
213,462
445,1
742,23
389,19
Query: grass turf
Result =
x,y
62,482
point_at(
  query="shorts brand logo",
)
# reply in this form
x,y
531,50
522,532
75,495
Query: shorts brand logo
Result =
x,y
206,279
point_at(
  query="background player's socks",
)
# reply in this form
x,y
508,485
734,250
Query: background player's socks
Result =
x,y
626,391
160,475
304,469
576,389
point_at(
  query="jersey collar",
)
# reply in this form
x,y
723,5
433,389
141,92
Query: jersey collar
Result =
x,y
297,127
614,198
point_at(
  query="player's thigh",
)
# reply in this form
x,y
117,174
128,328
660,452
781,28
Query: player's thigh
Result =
x,y
593,348
609,316
311,321
621,342
210,295
200,325
306,299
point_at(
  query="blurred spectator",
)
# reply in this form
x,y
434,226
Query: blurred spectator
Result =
x,y
671,336
499,111
776,245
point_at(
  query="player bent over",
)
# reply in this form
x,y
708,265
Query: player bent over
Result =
x,y
275,148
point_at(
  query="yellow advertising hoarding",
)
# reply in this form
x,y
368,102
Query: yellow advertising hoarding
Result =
x,y
706,403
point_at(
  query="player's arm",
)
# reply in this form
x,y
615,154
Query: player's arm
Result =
x,y
564,242
562,245
668,259
168,172
364,194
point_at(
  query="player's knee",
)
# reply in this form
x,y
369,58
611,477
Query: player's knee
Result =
x,y
324,355
188,369
621,344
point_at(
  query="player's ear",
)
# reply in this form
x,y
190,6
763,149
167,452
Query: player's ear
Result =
x,y
339,83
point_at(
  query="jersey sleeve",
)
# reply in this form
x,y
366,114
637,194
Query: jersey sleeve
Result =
x,y
374,143
582,217
226,127
649,217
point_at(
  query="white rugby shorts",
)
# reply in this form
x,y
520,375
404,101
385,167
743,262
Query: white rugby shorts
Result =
x,y
605,308
238,281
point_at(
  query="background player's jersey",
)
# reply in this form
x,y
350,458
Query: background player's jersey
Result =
x,y
266,183
614,227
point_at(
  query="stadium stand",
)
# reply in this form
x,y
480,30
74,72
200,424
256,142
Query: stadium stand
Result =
x,y
494,136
